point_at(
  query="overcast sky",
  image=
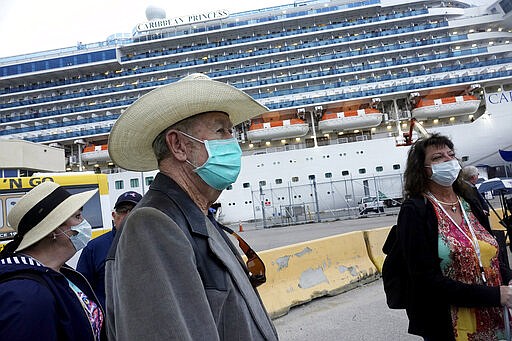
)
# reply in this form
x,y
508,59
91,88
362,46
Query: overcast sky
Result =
x,y
37,25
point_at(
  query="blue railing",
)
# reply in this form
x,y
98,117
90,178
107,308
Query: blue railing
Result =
x,y
339,97
227,58
60,124
300,31
297,90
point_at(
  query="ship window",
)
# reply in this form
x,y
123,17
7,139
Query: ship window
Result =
x,y
263,183
134,183
279,181
397,166
149,180
379,168
345,173
119,184
295,179
328,175
311,177
246,185
362,170
229,188
464,158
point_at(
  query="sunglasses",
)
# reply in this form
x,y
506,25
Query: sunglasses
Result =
x,y
254,263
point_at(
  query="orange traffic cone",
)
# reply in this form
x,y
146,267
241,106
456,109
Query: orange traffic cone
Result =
x,y
240,227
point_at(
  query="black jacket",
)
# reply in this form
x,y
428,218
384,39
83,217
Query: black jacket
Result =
x,y
46,309
431,294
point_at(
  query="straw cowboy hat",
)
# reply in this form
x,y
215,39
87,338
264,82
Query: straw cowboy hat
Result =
x,y
131,138
43,209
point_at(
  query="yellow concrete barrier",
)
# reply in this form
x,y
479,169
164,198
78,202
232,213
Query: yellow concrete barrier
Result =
x,y
98,232
298,273
374,241
495,221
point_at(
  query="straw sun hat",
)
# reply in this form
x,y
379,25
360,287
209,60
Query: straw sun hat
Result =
x,y
42,210
131,138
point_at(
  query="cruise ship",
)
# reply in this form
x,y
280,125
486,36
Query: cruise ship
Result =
x,y
346,83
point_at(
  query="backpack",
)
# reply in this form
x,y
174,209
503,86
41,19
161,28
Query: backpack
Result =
x,y
394,270
24,275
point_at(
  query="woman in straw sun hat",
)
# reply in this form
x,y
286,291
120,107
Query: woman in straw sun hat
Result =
x,y
41,298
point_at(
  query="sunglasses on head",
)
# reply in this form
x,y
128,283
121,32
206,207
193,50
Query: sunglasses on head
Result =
x,y
254,263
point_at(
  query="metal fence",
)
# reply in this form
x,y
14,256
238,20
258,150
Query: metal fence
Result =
x,y
322,201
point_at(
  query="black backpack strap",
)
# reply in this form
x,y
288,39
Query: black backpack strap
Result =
x,y
421,205
23,275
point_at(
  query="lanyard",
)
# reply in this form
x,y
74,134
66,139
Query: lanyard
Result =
x,y
473,240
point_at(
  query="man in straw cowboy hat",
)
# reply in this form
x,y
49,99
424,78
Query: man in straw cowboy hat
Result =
x,y
172,273
41,298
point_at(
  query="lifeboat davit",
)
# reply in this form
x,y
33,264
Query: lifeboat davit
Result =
x,y
354,119
277,129
446,107
95,153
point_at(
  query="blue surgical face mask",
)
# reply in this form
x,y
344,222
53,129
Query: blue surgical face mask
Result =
x,y
223,164
83,236
445,173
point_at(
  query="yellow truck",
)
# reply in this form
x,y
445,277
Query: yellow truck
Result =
x,y
97,210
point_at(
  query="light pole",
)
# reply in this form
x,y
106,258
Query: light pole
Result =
x,y
79,144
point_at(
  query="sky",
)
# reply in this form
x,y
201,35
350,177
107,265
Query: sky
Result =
x,y
37,25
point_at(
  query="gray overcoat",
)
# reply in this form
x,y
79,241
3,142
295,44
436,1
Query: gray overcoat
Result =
x,y
171,275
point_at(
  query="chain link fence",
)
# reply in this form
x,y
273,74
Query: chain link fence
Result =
x,y
319,201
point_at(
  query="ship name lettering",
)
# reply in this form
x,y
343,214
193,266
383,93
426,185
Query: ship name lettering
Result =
x,y
166,23
500,97
207,16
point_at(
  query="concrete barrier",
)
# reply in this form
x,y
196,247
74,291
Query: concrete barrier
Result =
x,y
495,221
298,273
374,241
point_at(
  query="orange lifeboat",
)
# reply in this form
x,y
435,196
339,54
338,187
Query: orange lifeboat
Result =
x,y
277,129
95,153
353,119
445,107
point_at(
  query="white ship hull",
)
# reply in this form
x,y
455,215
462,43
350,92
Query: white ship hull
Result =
x,y
345,172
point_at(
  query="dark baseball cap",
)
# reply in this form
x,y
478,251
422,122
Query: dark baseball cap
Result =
x,y
130,197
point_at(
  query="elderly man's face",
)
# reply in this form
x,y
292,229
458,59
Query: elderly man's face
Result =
x,y
210,126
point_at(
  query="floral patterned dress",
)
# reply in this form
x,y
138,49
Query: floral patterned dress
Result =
x,y
459,261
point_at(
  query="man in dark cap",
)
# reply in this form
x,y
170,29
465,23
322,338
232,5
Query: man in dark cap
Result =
x,y
92,260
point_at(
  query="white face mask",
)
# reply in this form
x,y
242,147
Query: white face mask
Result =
x,y
445,173
81,239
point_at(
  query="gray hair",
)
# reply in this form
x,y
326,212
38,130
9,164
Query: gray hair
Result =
x,y
468,172
159,145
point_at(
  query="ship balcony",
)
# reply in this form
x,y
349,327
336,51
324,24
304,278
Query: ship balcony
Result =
x,y
263,52
378,87
64,134
252,33
53,124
